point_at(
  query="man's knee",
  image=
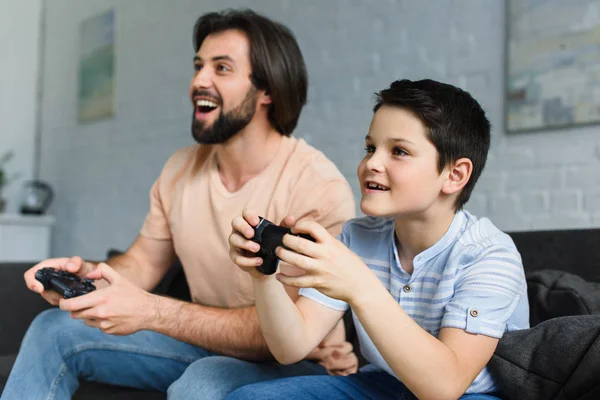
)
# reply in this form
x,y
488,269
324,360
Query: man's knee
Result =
x,y
208,378
250,392
46,326
53,327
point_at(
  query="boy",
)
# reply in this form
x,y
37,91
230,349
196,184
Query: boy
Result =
x,y
431,287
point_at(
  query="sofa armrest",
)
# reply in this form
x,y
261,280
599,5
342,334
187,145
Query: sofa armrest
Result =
x,y
19,306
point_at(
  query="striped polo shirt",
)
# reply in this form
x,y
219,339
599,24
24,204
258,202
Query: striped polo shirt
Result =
x,y
471,279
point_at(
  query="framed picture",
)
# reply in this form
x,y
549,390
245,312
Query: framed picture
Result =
x,y
553,64
97,68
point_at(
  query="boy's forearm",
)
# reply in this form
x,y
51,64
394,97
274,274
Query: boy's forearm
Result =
x,y
231,332
423,363
283,326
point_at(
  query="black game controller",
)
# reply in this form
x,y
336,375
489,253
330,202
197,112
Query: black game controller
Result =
x,y
66,284
269,236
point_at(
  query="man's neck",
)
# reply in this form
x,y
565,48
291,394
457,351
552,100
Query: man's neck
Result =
x,y
247,154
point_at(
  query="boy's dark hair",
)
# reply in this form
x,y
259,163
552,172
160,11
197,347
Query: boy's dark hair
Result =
x,y
455,123
275,57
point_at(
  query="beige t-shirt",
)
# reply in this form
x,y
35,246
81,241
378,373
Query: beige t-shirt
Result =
x,y
190,206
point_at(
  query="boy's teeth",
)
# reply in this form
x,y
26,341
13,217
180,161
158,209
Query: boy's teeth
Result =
x,y
375,186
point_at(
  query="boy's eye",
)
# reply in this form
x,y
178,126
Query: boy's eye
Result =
x,y
397,151
370,149
222,68
197,67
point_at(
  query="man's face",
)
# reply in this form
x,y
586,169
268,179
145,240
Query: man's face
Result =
x,y
223,96
398,175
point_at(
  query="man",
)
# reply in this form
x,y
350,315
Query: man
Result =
x,y
248,90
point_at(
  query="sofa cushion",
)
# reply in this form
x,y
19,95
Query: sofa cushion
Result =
x,y
93,391
6,363
15,320
554,293
558,359
575,251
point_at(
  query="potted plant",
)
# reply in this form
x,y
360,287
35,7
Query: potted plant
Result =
x,y
4,179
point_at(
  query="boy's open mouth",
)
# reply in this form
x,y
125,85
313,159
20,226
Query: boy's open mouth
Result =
x,y
376,186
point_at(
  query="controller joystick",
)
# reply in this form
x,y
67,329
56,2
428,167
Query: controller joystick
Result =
x,y
269,236
65,283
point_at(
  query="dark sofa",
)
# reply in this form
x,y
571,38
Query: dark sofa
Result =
x,y
573,251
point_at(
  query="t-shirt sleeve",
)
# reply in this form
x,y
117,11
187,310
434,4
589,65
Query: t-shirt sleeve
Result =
x,y
487,293
319,297
156,224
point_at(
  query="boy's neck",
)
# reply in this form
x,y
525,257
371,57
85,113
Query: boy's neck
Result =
x,y
415,235
247,154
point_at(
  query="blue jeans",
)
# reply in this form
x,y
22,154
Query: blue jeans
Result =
x,y
364,385
57,350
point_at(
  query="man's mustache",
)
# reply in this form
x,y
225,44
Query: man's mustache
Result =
x,y
207,94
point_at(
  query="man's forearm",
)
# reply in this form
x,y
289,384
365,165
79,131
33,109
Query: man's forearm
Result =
x,y
231,332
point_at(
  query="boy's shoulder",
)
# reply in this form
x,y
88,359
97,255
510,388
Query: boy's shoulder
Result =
x,y
480,242
368,224
368,234
481,233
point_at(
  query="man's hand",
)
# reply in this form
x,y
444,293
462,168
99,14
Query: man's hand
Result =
x,y
338,359
118,309
74,265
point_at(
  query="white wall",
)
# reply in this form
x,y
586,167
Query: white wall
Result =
x,y
19,45
102,171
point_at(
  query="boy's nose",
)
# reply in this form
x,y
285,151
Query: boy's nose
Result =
x,y
375,163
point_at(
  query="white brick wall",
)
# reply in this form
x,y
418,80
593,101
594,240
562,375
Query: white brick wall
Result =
x,y
102,171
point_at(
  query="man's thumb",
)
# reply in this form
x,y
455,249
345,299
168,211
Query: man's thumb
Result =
x,y
104,271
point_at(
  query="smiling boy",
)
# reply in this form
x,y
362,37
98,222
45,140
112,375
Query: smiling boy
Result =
x,y
432,288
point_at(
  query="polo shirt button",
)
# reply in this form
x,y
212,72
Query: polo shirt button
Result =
x,y
406,288
474,313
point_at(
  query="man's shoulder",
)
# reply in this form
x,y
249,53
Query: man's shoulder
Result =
x,y
183,155
305,159
184,158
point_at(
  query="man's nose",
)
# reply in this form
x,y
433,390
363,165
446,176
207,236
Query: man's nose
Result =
x,y
202,79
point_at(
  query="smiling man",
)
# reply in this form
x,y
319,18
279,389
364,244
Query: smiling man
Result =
x,y
247,92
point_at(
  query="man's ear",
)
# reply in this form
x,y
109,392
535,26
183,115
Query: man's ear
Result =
x,y
264,97
459,173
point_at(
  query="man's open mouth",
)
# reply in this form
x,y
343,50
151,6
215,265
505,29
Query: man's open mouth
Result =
x,y
204,106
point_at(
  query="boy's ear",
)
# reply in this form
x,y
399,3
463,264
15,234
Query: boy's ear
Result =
x,y
458,175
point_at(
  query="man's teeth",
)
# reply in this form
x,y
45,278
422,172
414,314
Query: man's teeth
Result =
x,y
206,103
376,186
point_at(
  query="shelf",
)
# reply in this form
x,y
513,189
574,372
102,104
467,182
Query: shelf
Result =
x,y
19,219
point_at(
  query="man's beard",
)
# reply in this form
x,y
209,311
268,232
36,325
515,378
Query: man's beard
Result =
x,y
227,124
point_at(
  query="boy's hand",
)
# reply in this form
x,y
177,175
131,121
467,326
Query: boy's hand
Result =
x,y
241,248
330,266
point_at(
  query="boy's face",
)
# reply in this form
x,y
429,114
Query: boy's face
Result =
x,y
398,175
